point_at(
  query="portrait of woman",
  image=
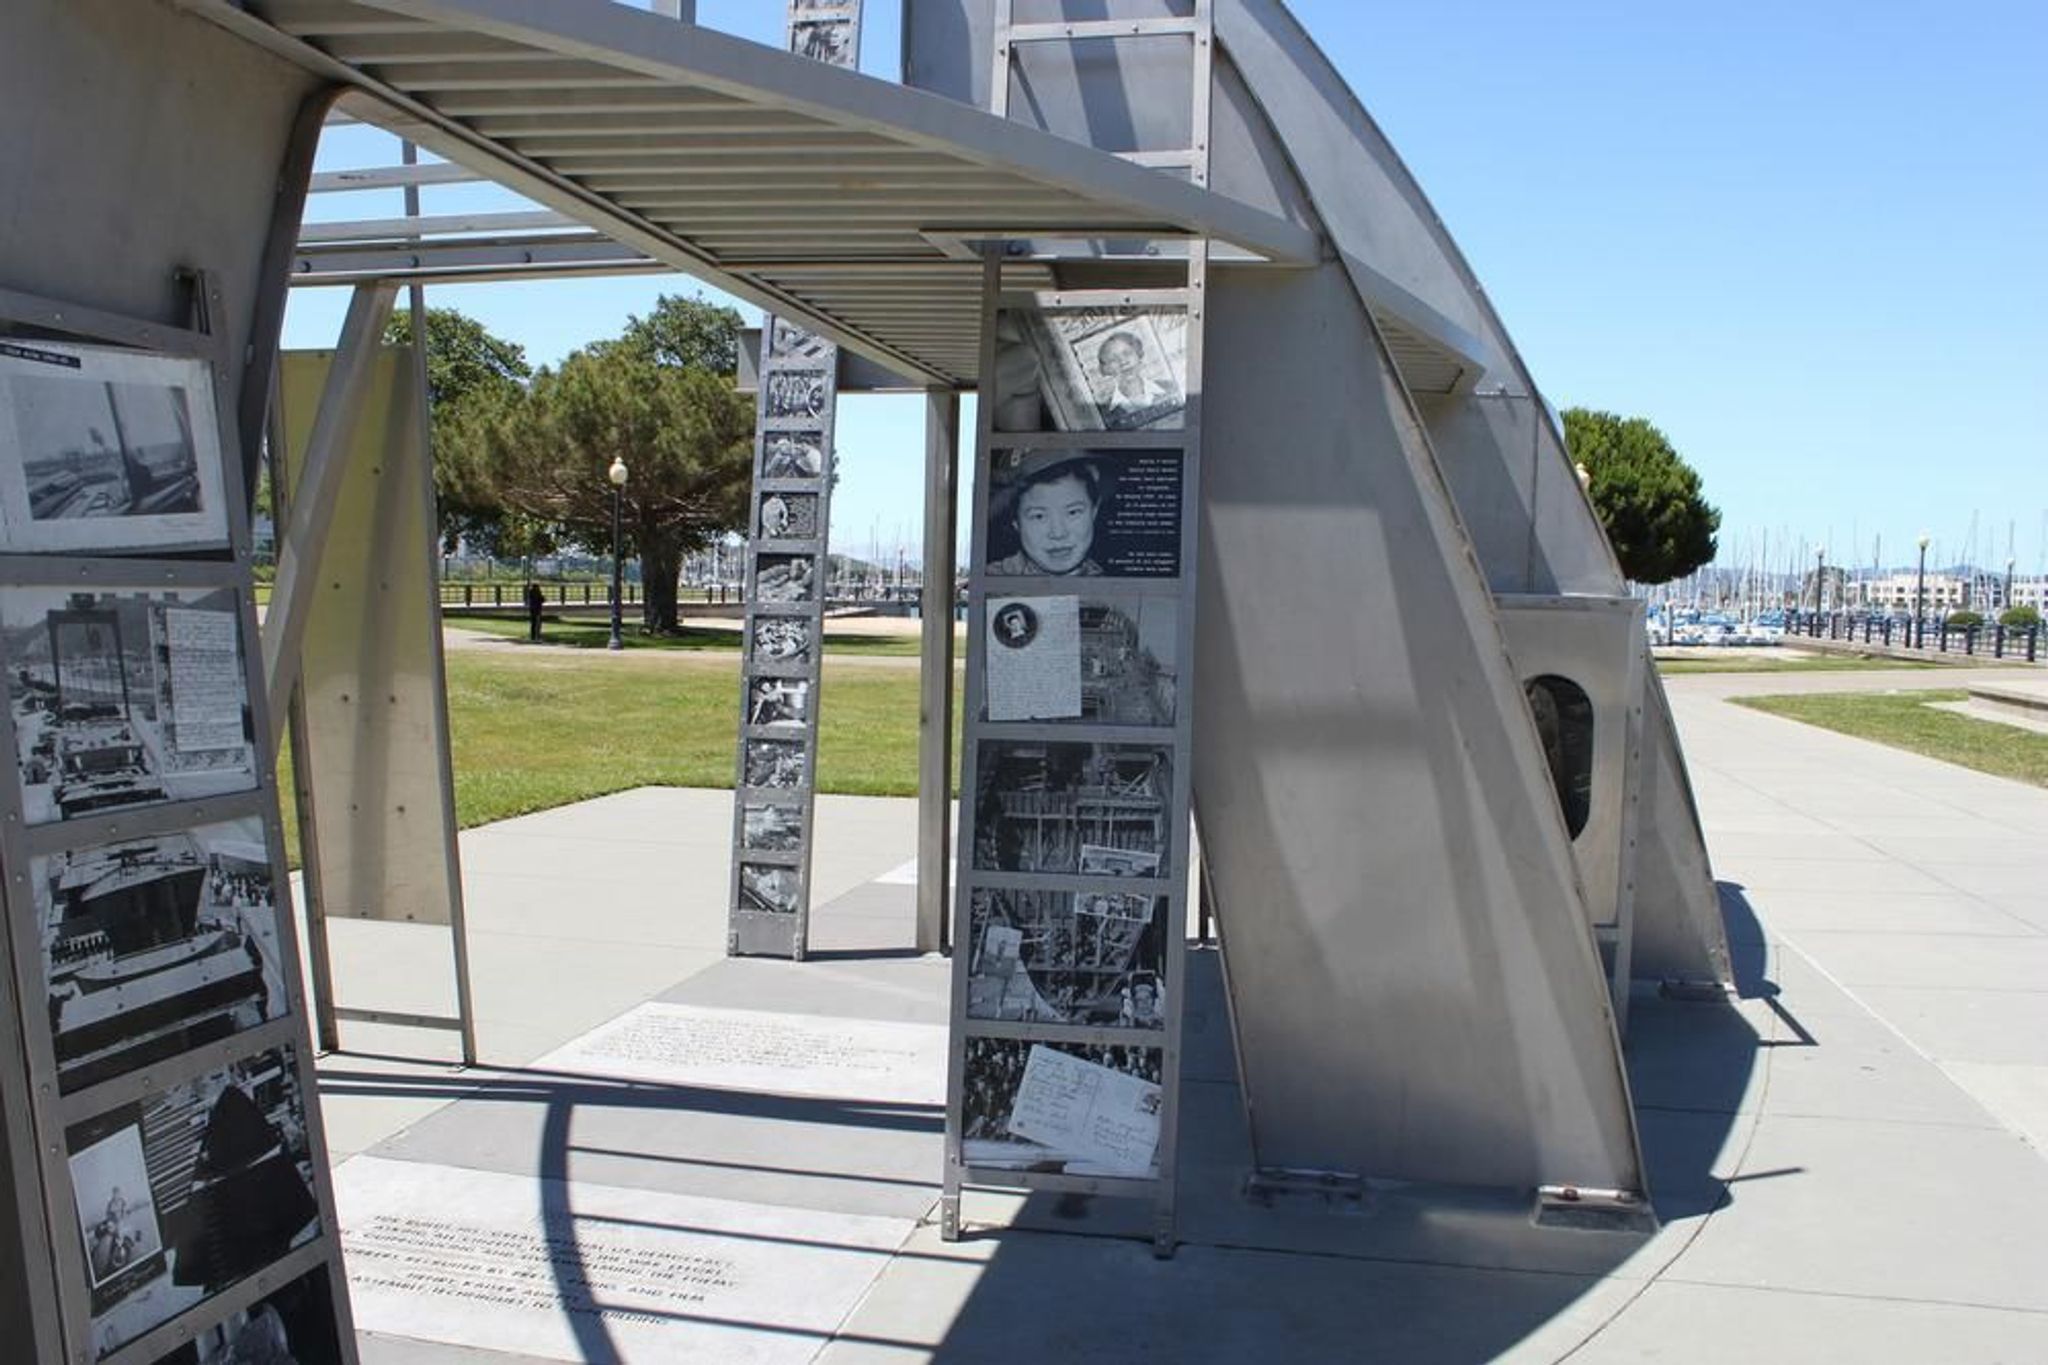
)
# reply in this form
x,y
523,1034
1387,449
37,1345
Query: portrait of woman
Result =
x,y
1045,512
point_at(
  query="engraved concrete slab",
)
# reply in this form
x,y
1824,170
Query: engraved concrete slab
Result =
x,y
757,1050
589,1271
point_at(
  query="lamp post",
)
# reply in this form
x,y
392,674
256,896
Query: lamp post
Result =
x,y
617,474
2005,604
1820,579
1920,595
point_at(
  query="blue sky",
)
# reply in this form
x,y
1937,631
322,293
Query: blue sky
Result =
x,y
1806,240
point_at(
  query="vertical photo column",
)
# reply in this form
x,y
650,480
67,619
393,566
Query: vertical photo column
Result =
x,y
788,562
1069,915
149,935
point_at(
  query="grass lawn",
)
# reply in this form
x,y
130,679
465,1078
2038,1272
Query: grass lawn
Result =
x,y
1905,721
533,731
1823,663
590,632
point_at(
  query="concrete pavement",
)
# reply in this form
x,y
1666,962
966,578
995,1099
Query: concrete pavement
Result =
x,y
1848,1160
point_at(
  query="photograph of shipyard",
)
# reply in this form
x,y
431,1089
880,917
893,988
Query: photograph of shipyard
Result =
x,y
125,697
97,435
155,946
191,1190
1066,957
1096,809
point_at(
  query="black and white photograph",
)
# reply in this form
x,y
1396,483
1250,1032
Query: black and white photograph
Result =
x,y
772,890
787,516
785,579
103,449
791,344
823,40
294,1325
110,1187
795,393
226,1173
1084,514
155,946
771,829
1090,369
783,640
1077,1108
125,697
1067,957
792,454
778,701
779,764
1100,661
1055,806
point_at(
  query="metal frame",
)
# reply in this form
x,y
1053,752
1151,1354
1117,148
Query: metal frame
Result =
x,y
755,931
49,1115
1178,741
1600,652
603,59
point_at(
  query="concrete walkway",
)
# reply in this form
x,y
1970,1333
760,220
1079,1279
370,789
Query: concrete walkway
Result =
x,y
1848,1161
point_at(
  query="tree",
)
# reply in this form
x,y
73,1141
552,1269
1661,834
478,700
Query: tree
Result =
x,y
685,434
1647,497
687,334
2019,618
467,366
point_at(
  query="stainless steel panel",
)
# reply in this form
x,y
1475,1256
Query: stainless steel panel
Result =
x,y
371,675
1414,989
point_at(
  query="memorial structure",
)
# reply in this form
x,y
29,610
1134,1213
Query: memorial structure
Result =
x,y
1280,578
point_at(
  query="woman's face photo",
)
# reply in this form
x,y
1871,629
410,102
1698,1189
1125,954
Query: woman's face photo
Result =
x,y
1056,523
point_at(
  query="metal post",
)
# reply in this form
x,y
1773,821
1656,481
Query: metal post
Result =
x,y
935,680
618,571
1920,599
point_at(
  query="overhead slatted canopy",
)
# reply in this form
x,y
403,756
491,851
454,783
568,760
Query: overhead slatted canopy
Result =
x,y
826,196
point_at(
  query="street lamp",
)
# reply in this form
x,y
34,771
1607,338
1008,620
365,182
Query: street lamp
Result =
x,y
617,474
2006,605
1920,595
1820,578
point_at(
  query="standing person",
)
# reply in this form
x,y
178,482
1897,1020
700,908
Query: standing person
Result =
x,y
535,600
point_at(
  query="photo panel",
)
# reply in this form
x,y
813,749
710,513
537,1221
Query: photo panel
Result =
x,y
1071,1108
189,1191
771,828
1100,810
105,449
780,702
126,697
1084,514
1091,369
791,344
828,40
154,946
786,641
1089,958
787,516
777,764
1099,661
785,580
769,889
796,454
294,1325
794,394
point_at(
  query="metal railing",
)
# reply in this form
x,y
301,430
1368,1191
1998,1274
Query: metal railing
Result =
x,y
1986,639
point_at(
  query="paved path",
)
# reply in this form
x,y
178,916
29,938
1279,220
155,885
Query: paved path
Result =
x,y
1848,1160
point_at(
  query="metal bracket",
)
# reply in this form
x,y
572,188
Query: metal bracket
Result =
x,y
1329,1191
1589,1210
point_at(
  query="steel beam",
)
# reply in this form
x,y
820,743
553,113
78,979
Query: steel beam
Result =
x,y
935,678
299,547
